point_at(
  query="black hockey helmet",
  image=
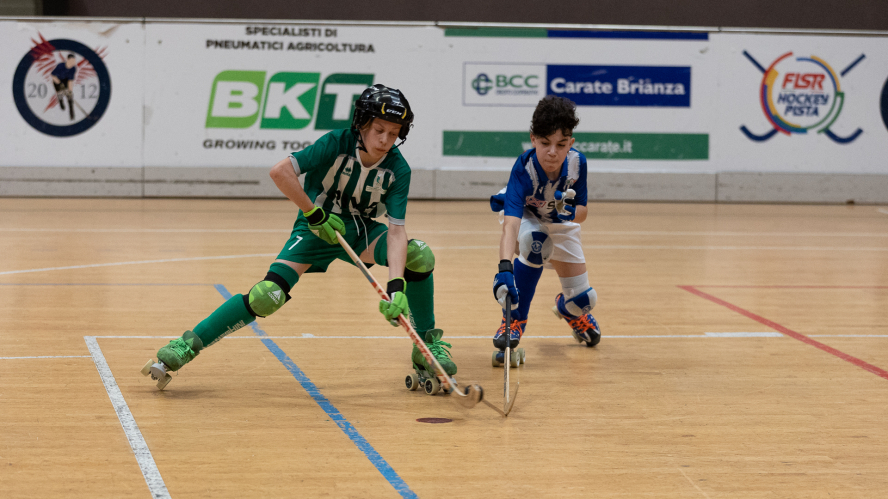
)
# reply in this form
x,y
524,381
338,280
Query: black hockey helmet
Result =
x,y
389,104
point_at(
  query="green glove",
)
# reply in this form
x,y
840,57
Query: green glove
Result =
x,y
325,225
398,304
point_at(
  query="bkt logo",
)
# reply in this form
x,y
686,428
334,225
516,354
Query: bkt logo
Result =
x,y
516,84
286,101
798,94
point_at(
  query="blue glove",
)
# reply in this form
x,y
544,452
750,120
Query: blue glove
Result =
x,y
569,213
566,205
504,284
498,202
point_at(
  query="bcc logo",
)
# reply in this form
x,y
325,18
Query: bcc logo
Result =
x,y
505,84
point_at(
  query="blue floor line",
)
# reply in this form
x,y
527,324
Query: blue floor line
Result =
x,y
384,468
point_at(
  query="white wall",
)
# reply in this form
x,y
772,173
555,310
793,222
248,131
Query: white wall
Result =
x,y
188,114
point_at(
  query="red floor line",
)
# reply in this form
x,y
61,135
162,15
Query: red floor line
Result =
x,y
789,332
787,287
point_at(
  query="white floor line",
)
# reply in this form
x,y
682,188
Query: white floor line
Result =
x,y
183,231
586,246
737,234
48,357
149,469
484,337
737,248
700,248
114,264
883,210
489,232
306,336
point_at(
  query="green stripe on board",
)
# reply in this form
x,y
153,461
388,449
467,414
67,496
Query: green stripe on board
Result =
x,y
498,32
683,146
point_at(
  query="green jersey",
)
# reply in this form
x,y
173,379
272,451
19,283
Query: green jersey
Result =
x,y
336,180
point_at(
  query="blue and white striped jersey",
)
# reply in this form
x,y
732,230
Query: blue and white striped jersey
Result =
x,y
530,189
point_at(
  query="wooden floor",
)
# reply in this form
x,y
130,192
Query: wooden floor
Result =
x,y
744,354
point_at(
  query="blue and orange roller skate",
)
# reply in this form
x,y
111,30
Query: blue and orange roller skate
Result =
x,y
584,327
516,331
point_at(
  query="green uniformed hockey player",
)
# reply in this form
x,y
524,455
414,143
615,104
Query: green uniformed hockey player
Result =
x,y
351,177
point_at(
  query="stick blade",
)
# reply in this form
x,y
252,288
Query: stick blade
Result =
x,y
471,396
508,408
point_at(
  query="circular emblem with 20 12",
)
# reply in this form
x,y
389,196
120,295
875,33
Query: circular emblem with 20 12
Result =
x,y
61,87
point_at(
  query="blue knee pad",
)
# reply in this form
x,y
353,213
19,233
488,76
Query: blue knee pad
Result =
x,y
581,304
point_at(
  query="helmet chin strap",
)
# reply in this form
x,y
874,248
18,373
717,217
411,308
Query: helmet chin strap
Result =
x,y
360,140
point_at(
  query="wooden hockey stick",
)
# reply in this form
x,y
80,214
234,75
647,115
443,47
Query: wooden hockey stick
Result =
x,y
507,360
466,398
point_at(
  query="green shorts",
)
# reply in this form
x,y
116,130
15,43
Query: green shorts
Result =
x,y
305,247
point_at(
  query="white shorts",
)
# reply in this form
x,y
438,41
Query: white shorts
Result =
x,y
565,236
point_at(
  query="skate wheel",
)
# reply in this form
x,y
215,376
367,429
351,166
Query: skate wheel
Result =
x,y
158,371
412,382
164,382
494,361
432,386
147,369
514,359
522,355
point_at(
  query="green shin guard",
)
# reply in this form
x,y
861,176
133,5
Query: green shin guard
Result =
x,y
440,350
180,351
421,297
228,318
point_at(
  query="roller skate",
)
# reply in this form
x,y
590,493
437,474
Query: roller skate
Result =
x,y
425,374
584,328
172,357
517,355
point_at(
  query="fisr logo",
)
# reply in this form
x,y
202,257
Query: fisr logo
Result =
x,y
813,81
286,101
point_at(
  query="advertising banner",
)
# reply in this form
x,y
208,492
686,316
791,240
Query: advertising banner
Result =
x,y
236,95
72,94
800,104
644,99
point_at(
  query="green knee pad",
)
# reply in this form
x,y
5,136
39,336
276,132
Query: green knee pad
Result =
x,y
266,298
420,261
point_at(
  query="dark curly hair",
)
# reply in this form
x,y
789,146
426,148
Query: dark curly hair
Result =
x,y
554,113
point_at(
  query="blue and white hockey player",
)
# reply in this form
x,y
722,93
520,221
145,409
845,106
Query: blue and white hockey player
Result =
x,y
544,204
